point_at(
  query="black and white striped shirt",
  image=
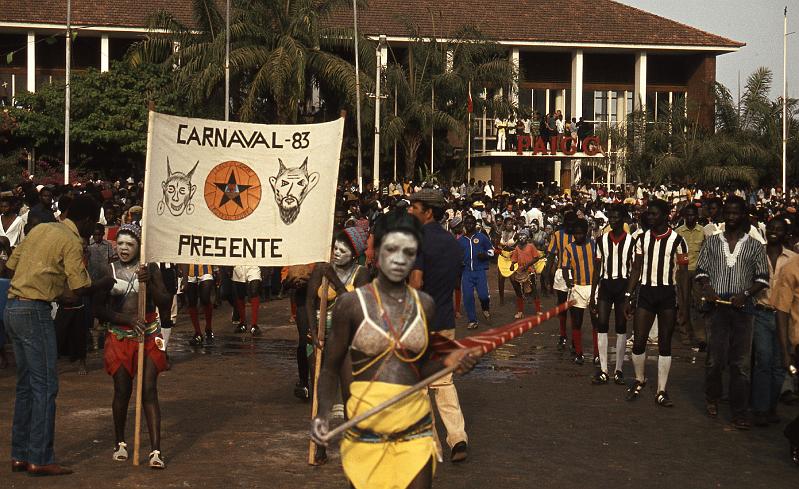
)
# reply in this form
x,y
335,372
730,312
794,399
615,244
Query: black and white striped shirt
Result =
x,y
616,257
732,271
660,256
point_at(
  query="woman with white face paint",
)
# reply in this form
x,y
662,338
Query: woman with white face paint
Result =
x,y
383,326
344,274
119,308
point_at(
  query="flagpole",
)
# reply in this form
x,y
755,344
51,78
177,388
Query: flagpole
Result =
x,y
357,95
785,103
68,66
395,141
469,136
227,61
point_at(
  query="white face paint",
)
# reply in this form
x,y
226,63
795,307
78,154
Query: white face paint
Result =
x,y
397,254
127,248
342,254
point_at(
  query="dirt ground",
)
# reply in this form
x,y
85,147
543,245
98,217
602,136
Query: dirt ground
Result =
x,y
533,418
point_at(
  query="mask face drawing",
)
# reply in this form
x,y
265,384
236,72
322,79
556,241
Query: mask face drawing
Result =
x,y
291,186
178,192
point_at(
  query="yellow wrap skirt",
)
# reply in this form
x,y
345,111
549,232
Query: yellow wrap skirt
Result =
x,y
379,461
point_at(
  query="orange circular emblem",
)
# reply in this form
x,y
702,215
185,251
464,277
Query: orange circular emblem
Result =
x,y
232,190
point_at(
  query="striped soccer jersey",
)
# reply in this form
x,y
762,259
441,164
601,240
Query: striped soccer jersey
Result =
x,y
660,256
616,256
579,259
558,242
199,270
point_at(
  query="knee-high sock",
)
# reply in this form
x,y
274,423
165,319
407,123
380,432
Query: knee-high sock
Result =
x,y
577,340
293,309
457,300
538,306
166,333
602,340
664,365
621,345
242,312
209,317
596,345
195,320
519,304
639,362
562,319
254,303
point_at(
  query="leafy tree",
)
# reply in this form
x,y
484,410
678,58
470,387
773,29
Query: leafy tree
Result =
x,y
108,119
278,48
431,82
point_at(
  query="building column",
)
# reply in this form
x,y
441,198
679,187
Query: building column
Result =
x,y
496,176
31,62
556,171
104,53
514,59
639,96
577,84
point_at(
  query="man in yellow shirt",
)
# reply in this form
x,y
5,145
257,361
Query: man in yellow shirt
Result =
x,y
689,324
46,266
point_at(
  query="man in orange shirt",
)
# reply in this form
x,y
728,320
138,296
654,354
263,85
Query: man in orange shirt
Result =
x,y
523,258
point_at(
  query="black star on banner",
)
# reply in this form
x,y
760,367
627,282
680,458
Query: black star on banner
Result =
x,y
231,190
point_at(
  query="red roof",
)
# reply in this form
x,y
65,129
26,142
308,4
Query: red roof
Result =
x,y
575,21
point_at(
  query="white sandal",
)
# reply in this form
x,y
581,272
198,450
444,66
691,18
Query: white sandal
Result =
x,y
155,460
121,453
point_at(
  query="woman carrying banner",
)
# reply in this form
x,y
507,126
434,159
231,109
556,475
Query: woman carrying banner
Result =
x,y
384,327
344,274
119,308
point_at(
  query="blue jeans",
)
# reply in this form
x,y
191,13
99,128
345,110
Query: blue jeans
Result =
x,y
767,370
471,280
31,329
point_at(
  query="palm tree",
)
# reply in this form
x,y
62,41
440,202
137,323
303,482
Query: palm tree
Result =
x,y
431,83
278,48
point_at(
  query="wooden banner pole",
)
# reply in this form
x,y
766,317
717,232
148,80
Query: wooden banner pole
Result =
x,y
320,334
142,305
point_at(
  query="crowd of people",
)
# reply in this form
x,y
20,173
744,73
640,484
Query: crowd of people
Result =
x,y
510,131
717,266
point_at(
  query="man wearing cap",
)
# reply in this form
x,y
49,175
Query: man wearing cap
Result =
x,y
437,271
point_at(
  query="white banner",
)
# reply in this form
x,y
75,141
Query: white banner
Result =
x,y
230,193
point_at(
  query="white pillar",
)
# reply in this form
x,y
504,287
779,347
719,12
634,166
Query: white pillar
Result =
x,y
557,171
577,84
31,61
639,96
105,61
560,97
514,59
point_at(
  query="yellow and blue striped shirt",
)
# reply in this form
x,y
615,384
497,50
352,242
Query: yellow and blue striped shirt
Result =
x,y
579,260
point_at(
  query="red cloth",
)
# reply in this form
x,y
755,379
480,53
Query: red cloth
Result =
x,y
125,353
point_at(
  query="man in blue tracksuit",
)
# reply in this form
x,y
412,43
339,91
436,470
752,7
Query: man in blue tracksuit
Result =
x,y
477,250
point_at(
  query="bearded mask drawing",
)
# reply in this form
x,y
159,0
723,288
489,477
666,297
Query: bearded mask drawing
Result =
x,y
178,192
291,186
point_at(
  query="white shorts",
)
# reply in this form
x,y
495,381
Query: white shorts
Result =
x,y
559,283
201,278
581,295
246,273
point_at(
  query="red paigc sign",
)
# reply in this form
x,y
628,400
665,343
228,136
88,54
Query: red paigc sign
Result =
x,y
559,145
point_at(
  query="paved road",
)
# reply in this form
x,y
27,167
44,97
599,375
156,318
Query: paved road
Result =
x,y
533,418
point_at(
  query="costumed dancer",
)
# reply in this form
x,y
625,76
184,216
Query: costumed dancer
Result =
x,y
383,325
614,255
119,308
198,288
344,275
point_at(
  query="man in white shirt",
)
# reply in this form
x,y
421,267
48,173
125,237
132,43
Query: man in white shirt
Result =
x,y
534,214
